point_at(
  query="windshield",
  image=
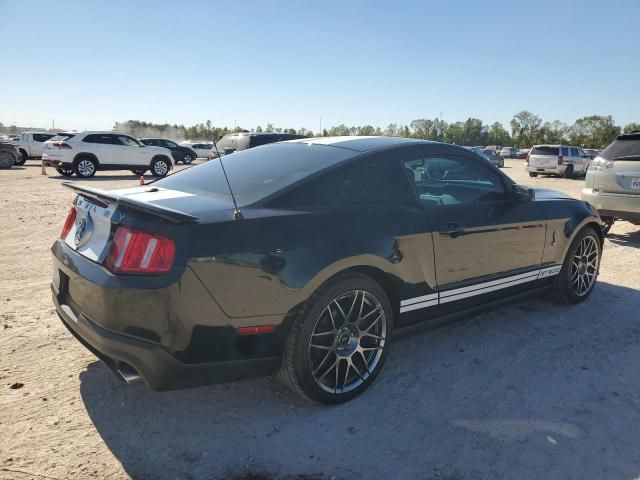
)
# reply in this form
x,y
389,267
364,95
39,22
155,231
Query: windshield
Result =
x,y
256,173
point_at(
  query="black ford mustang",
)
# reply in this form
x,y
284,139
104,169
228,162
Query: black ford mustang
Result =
x,y
335,242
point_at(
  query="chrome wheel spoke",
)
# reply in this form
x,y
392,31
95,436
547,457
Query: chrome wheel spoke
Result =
x,y
322,334
375,337
321,347
328,370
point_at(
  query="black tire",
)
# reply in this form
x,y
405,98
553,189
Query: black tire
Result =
x,y
139,171
6,159
188,158
299,356
160,167
65,172
568,173
22,158
85,167
533,174
608,223
563,286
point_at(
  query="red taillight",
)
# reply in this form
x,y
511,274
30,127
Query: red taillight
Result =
x,y
560,159
68,223
133,251
255,329
61,145
526,159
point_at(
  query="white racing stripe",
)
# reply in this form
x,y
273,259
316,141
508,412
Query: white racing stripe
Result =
x,y
425,301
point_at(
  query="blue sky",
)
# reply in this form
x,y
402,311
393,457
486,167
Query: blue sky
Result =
x,y
89,64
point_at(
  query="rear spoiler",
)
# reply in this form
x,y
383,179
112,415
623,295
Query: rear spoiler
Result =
x,y
166,213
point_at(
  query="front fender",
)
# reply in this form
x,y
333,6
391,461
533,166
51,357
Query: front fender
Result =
x,y
564,220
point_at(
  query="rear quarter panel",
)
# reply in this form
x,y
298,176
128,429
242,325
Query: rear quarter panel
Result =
x,y
267,266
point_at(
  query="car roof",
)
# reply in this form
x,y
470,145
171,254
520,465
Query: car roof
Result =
x,y
361,144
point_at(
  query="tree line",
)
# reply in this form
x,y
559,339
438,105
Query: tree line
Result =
x,y
525,129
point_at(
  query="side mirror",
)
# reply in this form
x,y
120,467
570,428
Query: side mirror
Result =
x,y
524,194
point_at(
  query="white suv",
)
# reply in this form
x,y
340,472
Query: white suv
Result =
x,y
86,153
201,148
30,145
559,160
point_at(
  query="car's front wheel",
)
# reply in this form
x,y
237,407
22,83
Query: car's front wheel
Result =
x,y
187,159
160,167
338,343
85,167
580,269
533,174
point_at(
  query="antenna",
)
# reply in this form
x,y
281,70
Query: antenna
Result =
x,y
237,215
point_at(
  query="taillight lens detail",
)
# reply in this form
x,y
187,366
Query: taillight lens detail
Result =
x,y
526,159
133,251
68,223
560,159
62,145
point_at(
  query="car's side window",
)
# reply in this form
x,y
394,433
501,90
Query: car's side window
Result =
x,y
38,137
95,138
565,151
442,180
128,141
371,183
574,152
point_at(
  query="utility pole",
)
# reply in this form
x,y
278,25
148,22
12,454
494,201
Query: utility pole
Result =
x,y
320,134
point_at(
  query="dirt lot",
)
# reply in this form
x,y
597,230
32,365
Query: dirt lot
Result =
x,y
533,390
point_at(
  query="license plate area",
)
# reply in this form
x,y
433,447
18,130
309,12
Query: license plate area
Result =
x,y
635,183
90,233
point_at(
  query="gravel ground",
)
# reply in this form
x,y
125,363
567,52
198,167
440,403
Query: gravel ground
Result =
x,y
531,390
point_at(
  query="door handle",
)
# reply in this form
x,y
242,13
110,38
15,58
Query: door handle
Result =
x,y
452,229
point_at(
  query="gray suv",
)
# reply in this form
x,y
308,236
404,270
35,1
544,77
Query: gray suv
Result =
x,y
612,184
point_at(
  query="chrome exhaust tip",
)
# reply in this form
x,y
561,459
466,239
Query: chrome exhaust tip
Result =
x,y
128,374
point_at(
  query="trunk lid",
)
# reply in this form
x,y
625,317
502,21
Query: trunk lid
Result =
x,y
99,212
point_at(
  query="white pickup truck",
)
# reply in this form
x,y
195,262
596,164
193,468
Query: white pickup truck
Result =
x,y
30,145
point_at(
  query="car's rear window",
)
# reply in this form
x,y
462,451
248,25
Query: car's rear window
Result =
x,y
62,136
543,150
623,148
257,172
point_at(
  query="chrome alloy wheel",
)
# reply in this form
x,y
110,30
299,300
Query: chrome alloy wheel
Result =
x,y
86,168
347,341
160,168
584,265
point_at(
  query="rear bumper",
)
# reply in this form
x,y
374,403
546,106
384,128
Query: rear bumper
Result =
x,y
159,369
619,205
555,170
